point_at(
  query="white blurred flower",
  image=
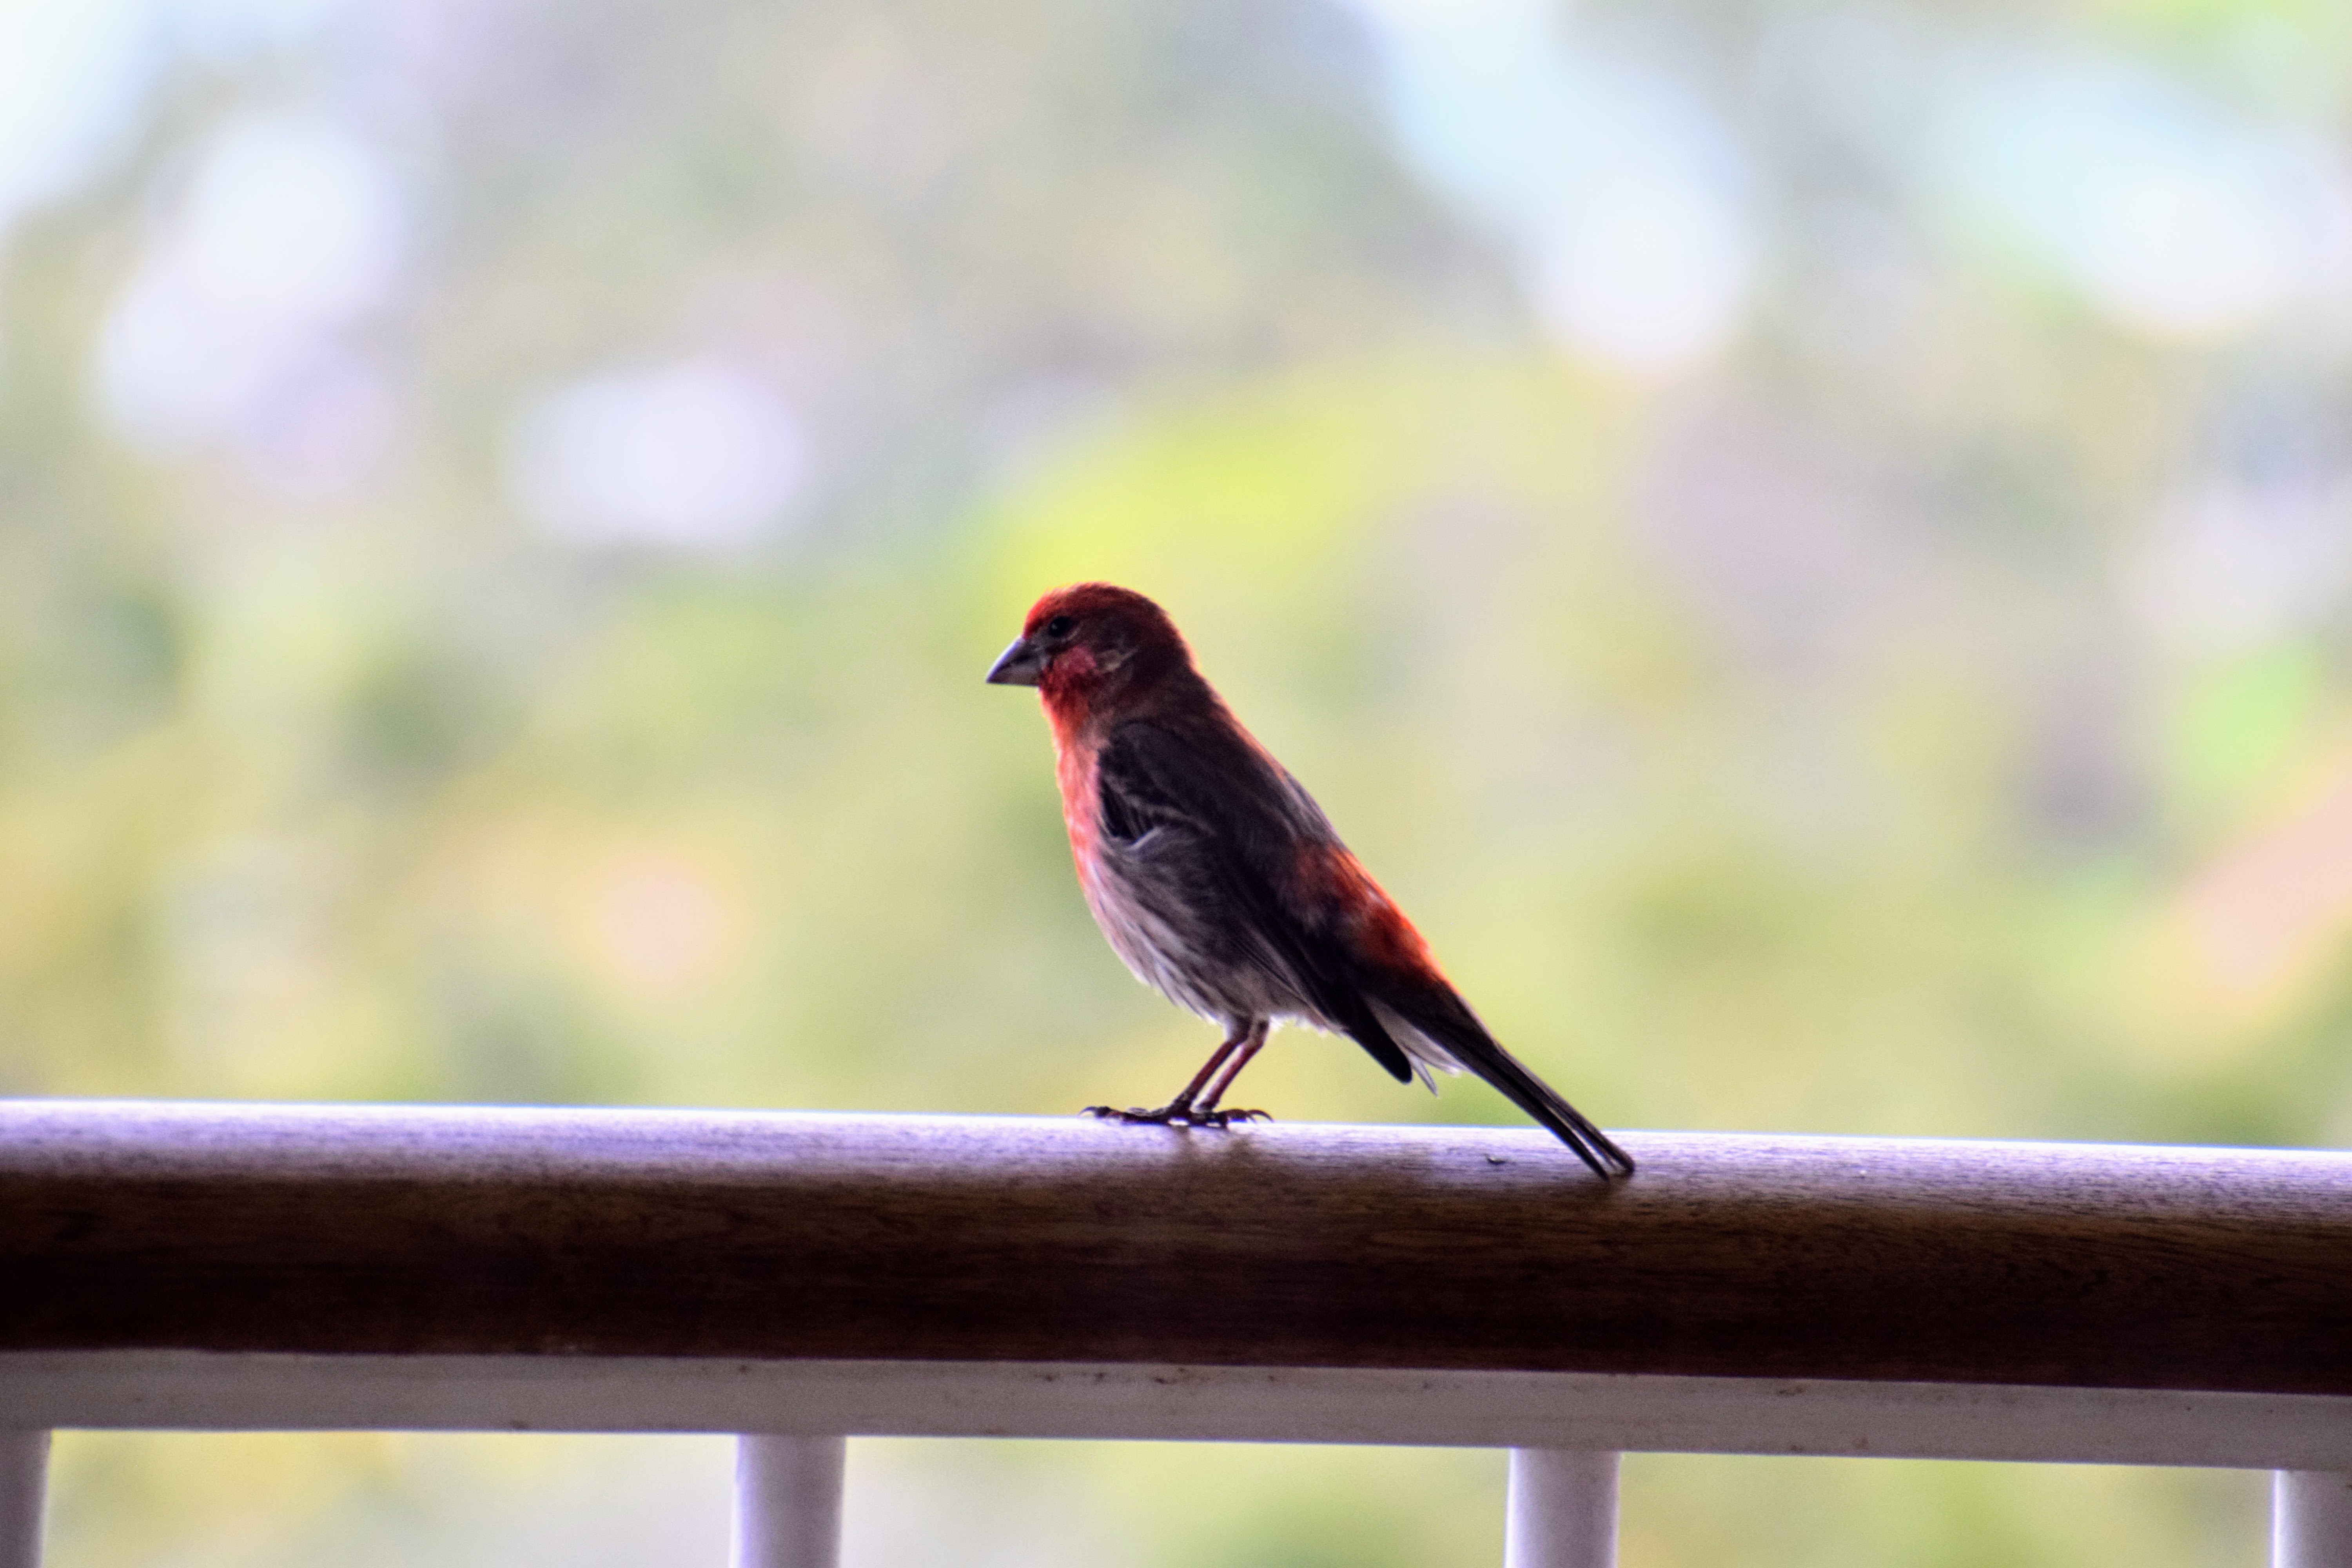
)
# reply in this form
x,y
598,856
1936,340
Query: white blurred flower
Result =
x,y
1648,276
290,219
696,455
2170,217
2189,255
1618,190
290,229
74,75
70,77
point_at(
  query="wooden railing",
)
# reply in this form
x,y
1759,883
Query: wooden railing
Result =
x,y
797,1279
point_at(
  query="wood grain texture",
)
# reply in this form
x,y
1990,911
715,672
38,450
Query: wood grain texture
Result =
x,y
413,1230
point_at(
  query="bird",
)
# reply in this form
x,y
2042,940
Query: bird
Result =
x,y
1222,886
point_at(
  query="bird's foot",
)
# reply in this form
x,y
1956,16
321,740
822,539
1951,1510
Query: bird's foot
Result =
x,y
1176,1113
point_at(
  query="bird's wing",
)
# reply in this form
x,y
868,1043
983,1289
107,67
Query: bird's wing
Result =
x,y
1212,812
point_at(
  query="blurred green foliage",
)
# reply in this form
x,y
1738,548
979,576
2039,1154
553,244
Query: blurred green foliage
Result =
x,y
1926,715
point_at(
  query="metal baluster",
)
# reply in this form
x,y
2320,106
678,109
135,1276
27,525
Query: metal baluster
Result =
x,y
788,1501
24,1475
1563,1509
2311,1519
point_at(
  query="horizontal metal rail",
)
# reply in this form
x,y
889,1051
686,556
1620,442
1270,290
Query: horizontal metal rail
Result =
x,y
189,1390
390,1230
799,1278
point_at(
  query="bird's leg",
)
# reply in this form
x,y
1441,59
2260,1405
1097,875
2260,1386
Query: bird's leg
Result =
x,y
1179,1112
1206,1114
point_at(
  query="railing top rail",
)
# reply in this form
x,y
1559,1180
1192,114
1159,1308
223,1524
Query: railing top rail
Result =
x,y
372,1230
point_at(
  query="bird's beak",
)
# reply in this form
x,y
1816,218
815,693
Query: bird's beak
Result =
x,y
1019,665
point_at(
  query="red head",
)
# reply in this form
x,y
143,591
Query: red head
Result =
x,y
1092,647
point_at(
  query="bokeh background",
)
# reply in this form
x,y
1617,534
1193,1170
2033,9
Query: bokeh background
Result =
x,y
1806,541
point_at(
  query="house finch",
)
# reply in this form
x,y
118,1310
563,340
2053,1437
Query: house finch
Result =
x,y
1219,880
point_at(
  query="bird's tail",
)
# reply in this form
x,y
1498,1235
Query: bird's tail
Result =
x,y
1465,1040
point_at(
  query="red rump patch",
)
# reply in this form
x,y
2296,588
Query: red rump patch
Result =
x,y
1335,884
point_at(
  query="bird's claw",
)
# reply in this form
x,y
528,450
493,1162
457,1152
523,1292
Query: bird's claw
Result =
x,y
1177,1115
1135,1115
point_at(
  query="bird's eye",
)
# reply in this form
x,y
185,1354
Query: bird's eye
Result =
x,y
1060,626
